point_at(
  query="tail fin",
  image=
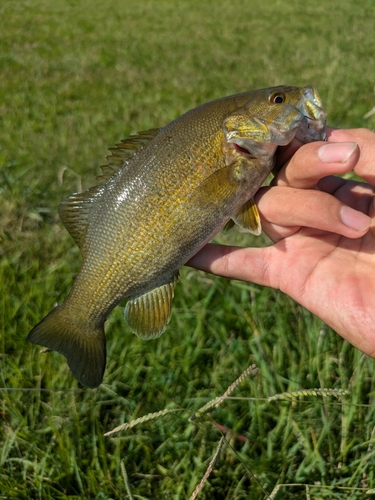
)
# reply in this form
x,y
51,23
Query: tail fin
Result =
x,y
81,343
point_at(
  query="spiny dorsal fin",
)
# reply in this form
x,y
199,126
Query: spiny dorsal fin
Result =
x,y
123,151
75,211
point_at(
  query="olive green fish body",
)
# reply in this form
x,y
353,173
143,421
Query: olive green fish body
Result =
x,y
180,187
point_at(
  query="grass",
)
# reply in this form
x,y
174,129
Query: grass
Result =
x,y
76,77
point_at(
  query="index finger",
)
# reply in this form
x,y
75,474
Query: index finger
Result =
x,y
365,138
313,161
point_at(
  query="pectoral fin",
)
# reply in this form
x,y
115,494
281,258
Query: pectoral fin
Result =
x,y
221,186
248,217
149,314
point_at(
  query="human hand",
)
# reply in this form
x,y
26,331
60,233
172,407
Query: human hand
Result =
x,y
323,230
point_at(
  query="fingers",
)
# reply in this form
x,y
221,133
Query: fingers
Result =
x,y
284,153
358,195
365,138
247,264
345,150
316,160
285,210
306,194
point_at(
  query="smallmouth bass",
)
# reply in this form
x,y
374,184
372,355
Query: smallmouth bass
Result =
x,y
162,196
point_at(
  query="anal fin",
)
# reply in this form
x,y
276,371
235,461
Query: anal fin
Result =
x,y
148,315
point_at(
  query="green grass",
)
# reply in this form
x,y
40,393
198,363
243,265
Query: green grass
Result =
x,y
75,78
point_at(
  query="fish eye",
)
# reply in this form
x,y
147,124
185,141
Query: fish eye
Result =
x,y
277,98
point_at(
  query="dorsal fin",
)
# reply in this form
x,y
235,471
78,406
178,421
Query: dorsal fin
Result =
x,y
75,213
123,151
75,210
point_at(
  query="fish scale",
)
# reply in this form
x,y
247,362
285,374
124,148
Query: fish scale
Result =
x,y
162,196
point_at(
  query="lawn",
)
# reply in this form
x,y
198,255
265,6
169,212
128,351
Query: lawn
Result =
x,y
76,77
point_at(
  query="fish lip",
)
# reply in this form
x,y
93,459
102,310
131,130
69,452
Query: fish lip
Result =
x,y
311,94
314,129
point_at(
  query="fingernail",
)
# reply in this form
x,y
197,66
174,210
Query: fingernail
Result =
x,y
354,219
336,152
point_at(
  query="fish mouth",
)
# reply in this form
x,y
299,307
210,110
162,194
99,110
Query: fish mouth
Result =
x,y
312,129
313,126
306,129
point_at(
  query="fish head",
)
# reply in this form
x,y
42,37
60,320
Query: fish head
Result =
x,y
274,117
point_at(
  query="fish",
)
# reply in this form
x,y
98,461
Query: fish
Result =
x,y
163,194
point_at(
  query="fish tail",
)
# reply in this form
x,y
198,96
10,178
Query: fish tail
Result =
x,y
82,343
